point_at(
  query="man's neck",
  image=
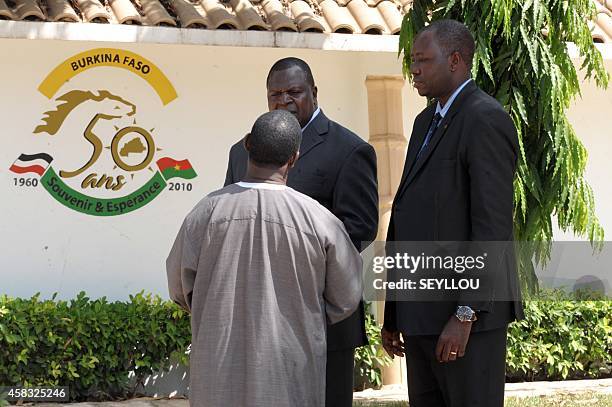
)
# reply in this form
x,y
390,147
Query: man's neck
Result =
x,y
443,99
258,174
312,117
255,180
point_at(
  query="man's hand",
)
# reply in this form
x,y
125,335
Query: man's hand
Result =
x,y
453,340
392,343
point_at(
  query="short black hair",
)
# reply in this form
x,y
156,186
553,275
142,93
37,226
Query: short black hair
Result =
x,y
451,36
275,138
290,62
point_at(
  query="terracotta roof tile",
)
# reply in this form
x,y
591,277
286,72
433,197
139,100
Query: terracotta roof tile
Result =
x,y
156,14
219,16
373,3
29,10
603,20
93,11
189,15
369,19
124,11
306,19
61,10
277,16
5,12
338,16
392,16
601,26
248,16
406,5
606,4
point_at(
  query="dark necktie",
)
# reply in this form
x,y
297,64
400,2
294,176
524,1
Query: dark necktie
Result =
x,y
432,129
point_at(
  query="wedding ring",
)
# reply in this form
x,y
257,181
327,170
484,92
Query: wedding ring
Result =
x,y
453,353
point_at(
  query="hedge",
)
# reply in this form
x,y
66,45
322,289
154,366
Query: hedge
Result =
x,y
564,339
89,345
93,345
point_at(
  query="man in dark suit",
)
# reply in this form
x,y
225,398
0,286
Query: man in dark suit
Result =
x,y
338,169
457,186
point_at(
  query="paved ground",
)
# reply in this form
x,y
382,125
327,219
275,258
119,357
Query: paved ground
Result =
x,y
603,386
397,392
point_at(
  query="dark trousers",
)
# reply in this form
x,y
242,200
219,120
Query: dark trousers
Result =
x,y
339,378
475,380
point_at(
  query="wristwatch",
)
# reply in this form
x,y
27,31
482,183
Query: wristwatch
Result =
x,y
465,314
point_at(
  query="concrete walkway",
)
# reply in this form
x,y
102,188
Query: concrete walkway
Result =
x,y
395,393
400,393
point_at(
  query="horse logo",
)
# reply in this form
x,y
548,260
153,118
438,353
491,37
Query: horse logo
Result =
x,y
131,148
109,106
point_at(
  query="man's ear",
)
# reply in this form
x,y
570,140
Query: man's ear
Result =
x,y
293,159
246,141
455,60
314,96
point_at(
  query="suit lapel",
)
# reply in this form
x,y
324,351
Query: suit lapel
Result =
x,y
435,138
416,140
313,134
455,108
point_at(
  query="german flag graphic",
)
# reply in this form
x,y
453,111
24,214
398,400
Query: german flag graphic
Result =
x,y
36,163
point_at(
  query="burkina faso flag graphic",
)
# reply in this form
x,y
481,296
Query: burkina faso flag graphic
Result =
x,y
171,168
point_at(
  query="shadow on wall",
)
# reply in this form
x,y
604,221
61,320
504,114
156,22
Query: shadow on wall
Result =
x,y
173,382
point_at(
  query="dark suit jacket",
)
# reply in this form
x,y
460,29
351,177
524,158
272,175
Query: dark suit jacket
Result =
x,y
338,169
459,189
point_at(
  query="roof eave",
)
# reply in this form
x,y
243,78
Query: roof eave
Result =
x,y
118,33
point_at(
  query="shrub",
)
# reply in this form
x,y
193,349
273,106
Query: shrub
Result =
x,y
561,339
89,345
92,346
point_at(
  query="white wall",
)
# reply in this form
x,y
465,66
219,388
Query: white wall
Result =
x,y
46,247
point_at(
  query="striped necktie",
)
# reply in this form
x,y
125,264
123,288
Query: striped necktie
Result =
x,y
432,129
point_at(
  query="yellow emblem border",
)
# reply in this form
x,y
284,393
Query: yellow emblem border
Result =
x,y
64,72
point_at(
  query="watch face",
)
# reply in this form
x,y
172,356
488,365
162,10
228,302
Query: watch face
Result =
x,y
464,313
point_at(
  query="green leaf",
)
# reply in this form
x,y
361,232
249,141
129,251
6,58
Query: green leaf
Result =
x,y
531,48
520,103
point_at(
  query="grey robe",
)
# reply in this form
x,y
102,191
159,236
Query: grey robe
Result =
x,y
260,269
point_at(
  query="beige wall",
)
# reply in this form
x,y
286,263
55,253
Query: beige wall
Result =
x,y
46,247
49,248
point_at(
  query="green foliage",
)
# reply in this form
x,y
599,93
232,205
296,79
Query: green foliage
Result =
x,y
92,345
561,339
371,358
532,76
89,345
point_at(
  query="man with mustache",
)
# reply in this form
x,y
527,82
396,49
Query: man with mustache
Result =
x,y
338,169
